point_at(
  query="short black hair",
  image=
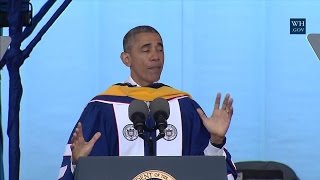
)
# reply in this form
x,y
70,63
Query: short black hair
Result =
x,y
134,31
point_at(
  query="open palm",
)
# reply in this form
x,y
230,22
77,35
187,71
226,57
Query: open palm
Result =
x,y
79,147
218,123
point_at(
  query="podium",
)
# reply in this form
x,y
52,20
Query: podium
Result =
x,y
151,167
314,40
4,44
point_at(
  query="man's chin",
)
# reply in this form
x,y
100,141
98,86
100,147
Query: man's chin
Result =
x,y
155,79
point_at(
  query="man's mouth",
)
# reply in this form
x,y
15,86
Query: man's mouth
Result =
x,y
155,68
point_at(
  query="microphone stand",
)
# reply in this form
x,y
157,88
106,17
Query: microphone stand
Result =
x,y
151,146
150,143
160,135
149,140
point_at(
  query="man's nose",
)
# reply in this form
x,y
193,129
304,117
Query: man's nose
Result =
x,y
155,55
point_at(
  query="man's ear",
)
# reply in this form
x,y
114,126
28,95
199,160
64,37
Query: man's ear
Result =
x,y
125,57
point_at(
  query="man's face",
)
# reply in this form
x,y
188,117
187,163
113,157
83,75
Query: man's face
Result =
x,y
145,58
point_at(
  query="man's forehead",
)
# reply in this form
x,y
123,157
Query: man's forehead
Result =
x,y
145,37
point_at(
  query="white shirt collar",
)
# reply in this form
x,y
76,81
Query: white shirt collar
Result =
x,y
132,82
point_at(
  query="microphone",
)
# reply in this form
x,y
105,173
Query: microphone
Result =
x,y
160,111
138,113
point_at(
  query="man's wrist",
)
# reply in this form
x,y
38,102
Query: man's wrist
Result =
x,y
218,143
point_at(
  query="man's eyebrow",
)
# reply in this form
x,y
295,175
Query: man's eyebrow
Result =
x,y
149,44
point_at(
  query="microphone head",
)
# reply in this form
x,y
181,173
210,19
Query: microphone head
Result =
x,y
158,107
138,111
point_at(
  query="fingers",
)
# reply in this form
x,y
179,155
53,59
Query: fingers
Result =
x,y
229,105
79,128
78,136
217,102
225,102
95,138
79,146
229,108
77,133
201,114
230,102
226,105
231,111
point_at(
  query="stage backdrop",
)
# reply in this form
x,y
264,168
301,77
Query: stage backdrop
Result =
x,y
242,47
